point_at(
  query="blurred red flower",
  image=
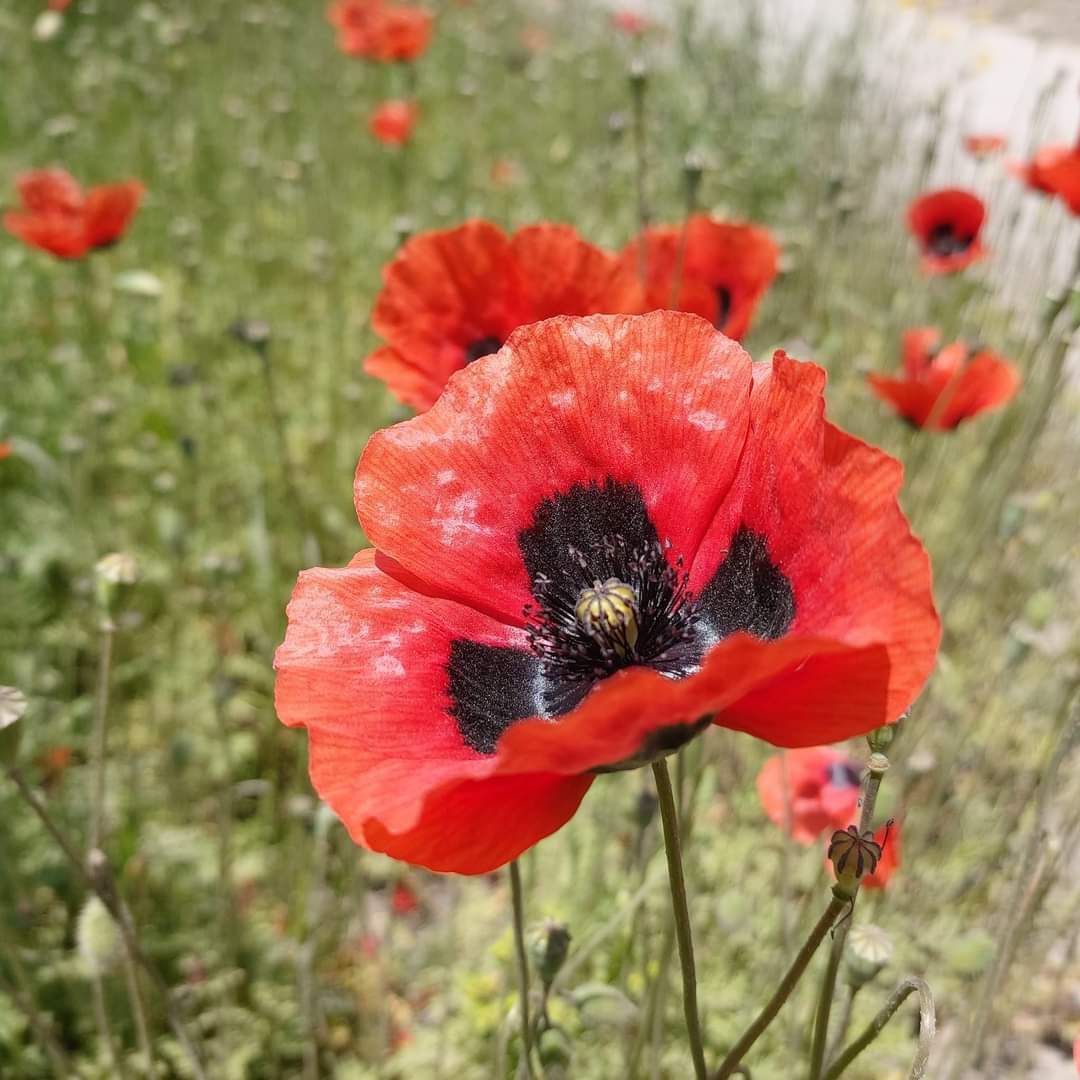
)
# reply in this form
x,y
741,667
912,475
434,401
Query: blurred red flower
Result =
x,y
942,387
454,295
379,31
534,38
1054,170
392,122
5,450
630,22
1076,1054
403,900
946,224
59,5
981,146
822,791
726,268
58,217
595,541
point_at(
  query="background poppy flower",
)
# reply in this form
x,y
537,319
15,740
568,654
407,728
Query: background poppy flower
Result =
x,y
392,122
982,146
454,295
56,216
726,269
946,224
822,791
1055,171
5,450
613,529
380,31
942,387
631,23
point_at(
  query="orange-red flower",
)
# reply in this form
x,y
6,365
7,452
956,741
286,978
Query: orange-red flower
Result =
x,y
59,5
947,224
1076,1054
809,791
59,217
982,146
1054,170
454,295
719,270
942,387
632,23
5,450
613,530
403,900
392,122
379,31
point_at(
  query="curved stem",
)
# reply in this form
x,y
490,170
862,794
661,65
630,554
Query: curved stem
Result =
x,y
836,953
927,1029
730,1065
673,850
522,964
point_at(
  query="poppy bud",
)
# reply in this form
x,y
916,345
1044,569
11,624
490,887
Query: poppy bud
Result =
x,y
555,1050
639,75
869,950
253,332
113,572
880,739
853,856
12,707
97,938
549,943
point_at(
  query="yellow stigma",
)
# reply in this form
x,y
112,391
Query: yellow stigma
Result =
x,y
608,613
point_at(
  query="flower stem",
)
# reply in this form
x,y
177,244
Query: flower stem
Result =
x,y
730,1063
673,850
522,964
878,764
927,1029
98,745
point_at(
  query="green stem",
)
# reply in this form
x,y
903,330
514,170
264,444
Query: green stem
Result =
x,y
673,850
735,1055
98,745
522,964
878,764
927,1029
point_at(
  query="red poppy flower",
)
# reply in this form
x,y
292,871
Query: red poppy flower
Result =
x,y
58,217
821,791
982,146
611,531
888,839
392,122
1076,1054
380,31
1055,171
454,295
630,22
403,900
5,450
942,387
726,269
946,224
59,5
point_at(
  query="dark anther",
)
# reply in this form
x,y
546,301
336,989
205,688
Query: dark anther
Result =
x,y
723,307
943,240
484,346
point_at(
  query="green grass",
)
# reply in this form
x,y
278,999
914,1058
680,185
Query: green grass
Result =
x,y
139,424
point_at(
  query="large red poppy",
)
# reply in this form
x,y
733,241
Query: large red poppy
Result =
x,y
376,30
942,387
946,225
716,269
819,791
59,217
609,532
454,295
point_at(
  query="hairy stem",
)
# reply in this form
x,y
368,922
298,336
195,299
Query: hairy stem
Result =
x,y
730,1064
517,896
927,1029
673,850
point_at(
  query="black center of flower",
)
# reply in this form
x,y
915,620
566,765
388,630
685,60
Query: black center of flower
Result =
x,y
608,594
944,240
723,307
843,775
484,346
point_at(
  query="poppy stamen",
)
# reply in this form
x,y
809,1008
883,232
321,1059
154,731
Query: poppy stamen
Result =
x,y
944,240
484,346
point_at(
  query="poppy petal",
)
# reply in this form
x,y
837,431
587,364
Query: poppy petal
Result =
x,y
551,412
109,209
48,190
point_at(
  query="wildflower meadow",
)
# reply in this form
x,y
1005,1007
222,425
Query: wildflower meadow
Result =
x,y
539,541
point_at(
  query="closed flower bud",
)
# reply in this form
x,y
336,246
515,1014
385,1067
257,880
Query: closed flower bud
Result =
x,y
555,1051
869,950
549,943
12,707
880,739
114,572
97,938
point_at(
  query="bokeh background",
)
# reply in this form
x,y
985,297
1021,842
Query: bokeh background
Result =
x,y
194,398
